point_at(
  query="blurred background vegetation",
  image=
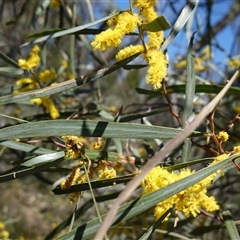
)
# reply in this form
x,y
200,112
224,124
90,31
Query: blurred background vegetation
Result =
x,y
28,207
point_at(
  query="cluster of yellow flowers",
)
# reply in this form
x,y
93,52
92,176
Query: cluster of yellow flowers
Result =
x,y
234,63
188,201
108,170
74,147
75,150
125,23
27,84
4,234
222,136
32,61
199,61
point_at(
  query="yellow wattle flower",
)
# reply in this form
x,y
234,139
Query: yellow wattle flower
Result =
x,y
48,104
157,67
223,136
129,51
47,75
32,61
188,201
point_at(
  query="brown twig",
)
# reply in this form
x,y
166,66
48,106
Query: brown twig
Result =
x,y
170,105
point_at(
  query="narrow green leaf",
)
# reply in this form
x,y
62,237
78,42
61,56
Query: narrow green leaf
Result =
x,y
158,24
200,88
186,150
141,115
189,99
181,21
51,156
188,164
95,184
47,91
12,70
87,128
44,33
69,31
45,158
39,11
155,225
87,31
134,66
230,225
29,171
139,205
8,60
190,86
25,147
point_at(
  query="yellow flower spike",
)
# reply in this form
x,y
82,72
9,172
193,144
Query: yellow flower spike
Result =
x,y
188,201
206,54
236,148
71,180
157,67
23,81
2,225
35,50
222,136
160,209
126,23
37,101
106,39
26,84
181,64
48,104
64,63
144,3
33,60
105,171
155,39
129,51
149,13
73,197
64,184
99,144
198,65
219,158
118,166
5,235
74,147
234,63
112,22
47,75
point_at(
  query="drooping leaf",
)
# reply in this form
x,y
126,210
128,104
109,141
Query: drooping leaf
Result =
x,y
94,184
158,24
12,70
47,91
189,100
230,225
200,88
87,128
8,60
181,21
68,31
